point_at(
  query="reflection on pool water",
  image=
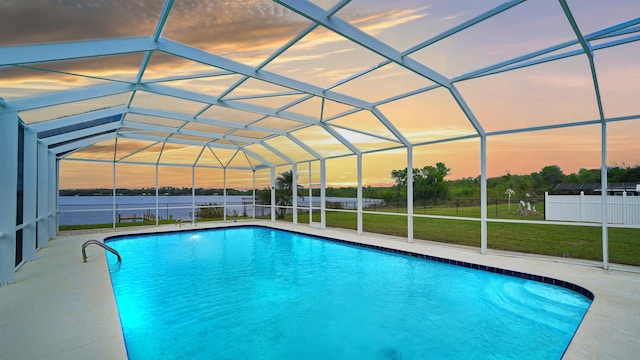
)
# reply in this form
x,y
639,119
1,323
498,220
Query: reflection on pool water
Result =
x,y
259,293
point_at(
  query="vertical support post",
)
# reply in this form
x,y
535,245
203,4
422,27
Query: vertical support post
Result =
x,y
30,189
410,193
53,195
224,194
605,203
114,208
323,193
294,190
273,193
8,194
253,193
43,190
310,194
57,197
483,194
157,199
113,194
193,194
359,192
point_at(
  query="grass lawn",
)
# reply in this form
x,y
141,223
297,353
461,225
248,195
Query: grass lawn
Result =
x,y
110,225
130,224
583,242
494,211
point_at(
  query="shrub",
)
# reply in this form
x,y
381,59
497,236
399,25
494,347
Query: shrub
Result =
x,y
209,211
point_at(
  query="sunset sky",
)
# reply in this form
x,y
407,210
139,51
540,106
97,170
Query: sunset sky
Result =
x,y
249,32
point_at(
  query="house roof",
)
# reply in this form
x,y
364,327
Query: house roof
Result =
x,y
624,186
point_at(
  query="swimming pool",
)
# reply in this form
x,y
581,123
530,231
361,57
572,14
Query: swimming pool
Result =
x,y
261,293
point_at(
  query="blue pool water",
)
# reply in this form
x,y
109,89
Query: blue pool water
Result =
x,y
259,293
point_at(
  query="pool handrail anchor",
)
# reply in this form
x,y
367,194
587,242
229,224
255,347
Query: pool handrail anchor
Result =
x,y
102,245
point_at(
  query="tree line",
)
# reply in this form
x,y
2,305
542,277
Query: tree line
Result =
x,y
162,191
429,186
533,185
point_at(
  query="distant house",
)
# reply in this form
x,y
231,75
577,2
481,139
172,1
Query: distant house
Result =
x,y
632,188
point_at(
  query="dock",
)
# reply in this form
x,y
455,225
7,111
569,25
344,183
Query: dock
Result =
x,y
144,217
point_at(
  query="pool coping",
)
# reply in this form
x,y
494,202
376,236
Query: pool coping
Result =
x,y
60,307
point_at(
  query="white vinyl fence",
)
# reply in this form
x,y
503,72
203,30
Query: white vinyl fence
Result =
x,y
586,208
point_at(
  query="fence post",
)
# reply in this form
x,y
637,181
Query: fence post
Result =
x,y
582,209
624,208
544,206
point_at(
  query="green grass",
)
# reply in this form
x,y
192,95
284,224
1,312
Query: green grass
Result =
x,y
499,211
583,242
131,224
110,225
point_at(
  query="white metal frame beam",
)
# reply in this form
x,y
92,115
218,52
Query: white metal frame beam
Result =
x,y
190,53
42,201
586,47
304,146
79,134
77,119
535,58
318,15
9,148
200,119
29,54
174,131
30,188
278,152
80,144
69,96
212,100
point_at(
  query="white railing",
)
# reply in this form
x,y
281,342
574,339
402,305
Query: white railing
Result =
x,y
587,208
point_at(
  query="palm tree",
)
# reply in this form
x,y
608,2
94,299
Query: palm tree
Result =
x,y
284,192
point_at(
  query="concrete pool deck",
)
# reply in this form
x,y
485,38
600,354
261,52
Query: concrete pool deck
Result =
x,y
62,308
